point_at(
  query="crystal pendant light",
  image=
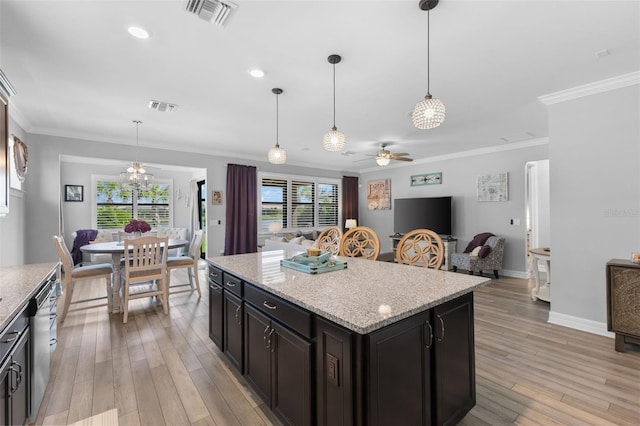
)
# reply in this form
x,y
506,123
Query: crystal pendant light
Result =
x,y
430,112
136,176
334,140
277,155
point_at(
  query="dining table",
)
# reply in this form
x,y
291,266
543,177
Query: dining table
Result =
x,y
116,250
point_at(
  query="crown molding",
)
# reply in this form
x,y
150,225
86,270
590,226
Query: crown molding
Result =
x,y
591,88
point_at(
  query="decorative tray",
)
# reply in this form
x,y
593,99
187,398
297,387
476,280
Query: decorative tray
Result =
x,y
311,267
312,260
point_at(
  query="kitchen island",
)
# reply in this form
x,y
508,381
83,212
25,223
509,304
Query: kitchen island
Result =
x,y
375,343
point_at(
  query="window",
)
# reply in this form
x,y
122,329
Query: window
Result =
x,y
298,202
115,206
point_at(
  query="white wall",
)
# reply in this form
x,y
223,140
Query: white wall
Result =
x,y
595,198
470,217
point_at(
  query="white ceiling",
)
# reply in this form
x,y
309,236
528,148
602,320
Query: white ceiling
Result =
x,y
78,73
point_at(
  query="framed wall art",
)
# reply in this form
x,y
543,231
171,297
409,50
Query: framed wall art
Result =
x,y
216,198
493,187
379,194
426,179
74,193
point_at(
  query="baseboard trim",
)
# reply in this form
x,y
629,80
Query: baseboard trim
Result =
x,y
514,274
582,324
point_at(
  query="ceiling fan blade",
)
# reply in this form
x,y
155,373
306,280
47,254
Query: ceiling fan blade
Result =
x,y
393,157
364,159
400,154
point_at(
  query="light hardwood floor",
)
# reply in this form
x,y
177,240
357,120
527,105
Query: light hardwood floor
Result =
x,y
161,369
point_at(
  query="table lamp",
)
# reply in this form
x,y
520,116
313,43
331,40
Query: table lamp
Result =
x,y
351,223
275,227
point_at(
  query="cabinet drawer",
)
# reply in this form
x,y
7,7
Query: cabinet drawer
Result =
x,y
215,274
12,333
290,315
233,284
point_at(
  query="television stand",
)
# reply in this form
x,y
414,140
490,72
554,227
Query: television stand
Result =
x,y
449,248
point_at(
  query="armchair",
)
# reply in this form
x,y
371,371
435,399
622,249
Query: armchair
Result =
x,y
492,261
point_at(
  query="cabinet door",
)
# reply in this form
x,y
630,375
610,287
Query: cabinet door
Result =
x,y
257,355
215,314
20,381
454,360
291,387
233,329
399,373
5,379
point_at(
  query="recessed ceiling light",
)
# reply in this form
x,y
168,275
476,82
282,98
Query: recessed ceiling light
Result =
x,y
138,32
256,73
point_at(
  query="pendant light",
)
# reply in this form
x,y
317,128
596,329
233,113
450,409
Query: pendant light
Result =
x,y
334,140
430,112
277,155
136,177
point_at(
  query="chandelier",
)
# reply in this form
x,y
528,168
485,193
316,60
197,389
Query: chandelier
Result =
x,y
430,112
334,140
136,176
276,154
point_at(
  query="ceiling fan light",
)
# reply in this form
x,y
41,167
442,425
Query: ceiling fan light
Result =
x,y
429,113
277,155
334,140
382,161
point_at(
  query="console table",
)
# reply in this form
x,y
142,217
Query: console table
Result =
x,y
449,249
623,300
542,292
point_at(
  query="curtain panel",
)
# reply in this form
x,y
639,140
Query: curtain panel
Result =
x,y
241,234
349,198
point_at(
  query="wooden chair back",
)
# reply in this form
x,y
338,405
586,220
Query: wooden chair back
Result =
x,y
329,239
190,263
421,247
360,241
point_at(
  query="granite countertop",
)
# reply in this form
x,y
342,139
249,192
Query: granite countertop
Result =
x,y
17,285
364,297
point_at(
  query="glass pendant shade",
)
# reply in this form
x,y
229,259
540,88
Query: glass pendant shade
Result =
x,y
277,155
382,161
428,113
334,140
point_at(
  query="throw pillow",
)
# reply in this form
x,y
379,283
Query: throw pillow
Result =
x,y
307,243
478,240
484,251
307,235
475,251
296,240
289,236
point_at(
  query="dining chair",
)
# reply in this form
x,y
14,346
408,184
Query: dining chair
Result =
x,y
145,271
190,262
329,239
420,247
360,241
82,273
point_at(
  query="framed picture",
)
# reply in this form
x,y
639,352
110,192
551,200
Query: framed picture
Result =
x,y
493,187
74,193
216,197
379,194
426,179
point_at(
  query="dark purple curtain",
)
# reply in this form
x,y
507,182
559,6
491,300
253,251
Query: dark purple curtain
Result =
x,y
241,234
349,198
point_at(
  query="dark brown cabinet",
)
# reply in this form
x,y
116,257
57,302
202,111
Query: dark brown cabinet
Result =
x,y
232,329
278,365
623,300
14,373
215,305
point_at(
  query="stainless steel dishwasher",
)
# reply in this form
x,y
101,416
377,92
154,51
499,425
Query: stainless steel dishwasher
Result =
x,y
41,309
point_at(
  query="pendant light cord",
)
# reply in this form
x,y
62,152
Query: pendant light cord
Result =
x,y
137,138
428,59
277,123
334,96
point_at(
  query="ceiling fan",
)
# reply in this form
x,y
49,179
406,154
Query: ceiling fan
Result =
x,y
383,156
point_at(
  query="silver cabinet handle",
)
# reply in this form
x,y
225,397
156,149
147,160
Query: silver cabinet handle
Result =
x,y
268,306
430,334
264,337
17,335
238,314
231,284
273,348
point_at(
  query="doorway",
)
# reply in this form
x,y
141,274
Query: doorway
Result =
x,y
537,205
202,215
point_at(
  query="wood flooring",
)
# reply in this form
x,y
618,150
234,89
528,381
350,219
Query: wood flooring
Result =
x,y
161,369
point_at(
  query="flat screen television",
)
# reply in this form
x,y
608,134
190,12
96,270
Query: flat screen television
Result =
x,y
432,213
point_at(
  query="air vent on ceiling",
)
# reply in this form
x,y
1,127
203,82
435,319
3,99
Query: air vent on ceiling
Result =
x,y
215,11
162,106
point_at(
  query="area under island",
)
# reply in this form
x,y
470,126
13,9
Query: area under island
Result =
x,y
374,344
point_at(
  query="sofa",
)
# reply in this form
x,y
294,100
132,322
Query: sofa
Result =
x,y
292,241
